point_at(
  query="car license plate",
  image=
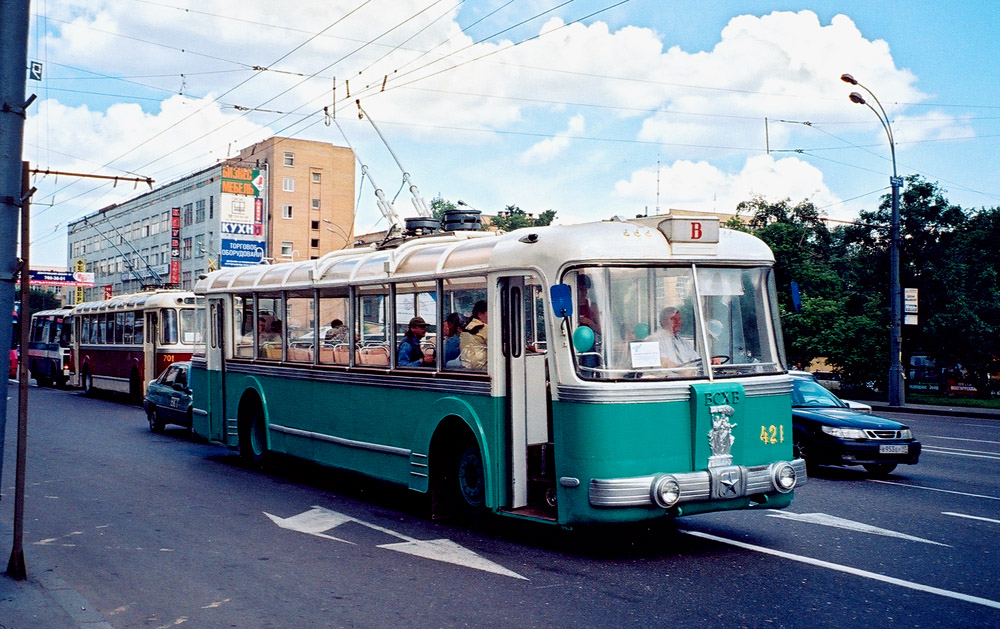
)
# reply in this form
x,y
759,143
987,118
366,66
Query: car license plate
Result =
x,y
887,449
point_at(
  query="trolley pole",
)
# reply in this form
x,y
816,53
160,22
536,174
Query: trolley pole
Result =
x,y
13,66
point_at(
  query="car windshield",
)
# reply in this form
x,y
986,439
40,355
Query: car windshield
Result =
x,y
811,393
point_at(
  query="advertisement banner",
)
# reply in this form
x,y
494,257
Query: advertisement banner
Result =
x,y
61,278
241,252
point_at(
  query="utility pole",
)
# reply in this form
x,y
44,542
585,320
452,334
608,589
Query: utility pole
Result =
x,y
13,64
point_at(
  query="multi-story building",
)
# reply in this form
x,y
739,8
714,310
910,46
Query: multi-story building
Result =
x,y
280,199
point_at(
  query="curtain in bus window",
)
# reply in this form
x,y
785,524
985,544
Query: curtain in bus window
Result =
x,y
299,318
138,327
85,329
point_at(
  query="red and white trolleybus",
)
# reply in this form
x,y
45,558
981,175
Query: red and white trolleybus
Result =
x,y
124,342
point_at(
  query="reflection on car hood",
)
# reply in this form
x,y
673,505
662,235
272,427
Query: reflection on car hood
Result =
x,y
845,417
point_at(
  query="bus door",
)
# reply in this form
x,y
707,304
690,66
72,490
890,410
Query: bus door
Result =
x,y
530,465
215,375
149,346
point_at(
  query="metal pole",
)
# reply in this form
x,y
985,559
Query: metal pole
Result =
x,y
896,388
13,64
15,566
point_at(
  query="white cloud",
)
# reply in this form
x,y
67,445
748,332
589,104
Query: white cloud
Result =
x,y
550,148
701,186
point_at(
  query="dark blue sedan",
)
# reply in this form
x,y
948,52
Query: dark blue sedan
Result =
x,y
168,398
828,432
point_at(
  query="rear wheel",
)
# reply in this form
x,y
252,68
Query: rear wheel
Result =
x,y
155,423
879,469
253,436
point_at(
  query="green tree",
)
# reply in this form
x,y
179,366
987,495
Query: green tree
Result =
x,y
439,206
513,217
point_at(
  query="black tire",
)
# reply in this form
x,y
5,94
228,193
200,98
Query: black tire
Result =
x,y
879,469
155,423
469,479
253,437
800,449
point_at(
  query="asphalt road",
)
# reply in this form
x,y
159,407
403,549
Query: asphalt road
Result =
x,y
157,530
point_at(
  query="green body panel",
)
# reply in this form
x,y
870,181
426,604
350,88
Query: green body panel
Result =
x,y
629,440
591,440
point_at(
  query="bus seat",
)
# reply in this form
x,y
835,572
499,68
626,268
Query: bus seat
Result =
x,y
300,354
327,356
273,353
341,354
377,356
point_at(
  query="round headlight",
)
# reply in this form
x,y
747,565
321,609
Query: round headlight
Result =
x,y
783,476
665,491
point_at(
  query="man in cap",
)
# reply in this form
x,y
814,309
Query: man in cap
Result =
x,y
409,353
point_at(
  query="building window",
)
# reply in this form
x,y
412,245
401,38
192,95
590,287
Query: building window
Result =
x,y
286,248
188,214
314,225
186,249
286,211
211,207
289,158
288,184
315,204
314,243
316,177
186,280
199,211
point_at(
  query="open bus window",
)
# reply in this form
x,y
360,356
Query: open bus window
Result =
x,y
664,322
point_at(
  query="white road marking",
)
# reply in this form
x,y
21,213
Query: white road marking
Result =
x,y
850,525
970,517
953,452
849,570
318,520
943,491
958,439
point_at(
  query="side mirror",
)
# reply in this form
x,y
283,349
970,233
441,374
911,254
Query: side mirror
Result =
x,y
562,300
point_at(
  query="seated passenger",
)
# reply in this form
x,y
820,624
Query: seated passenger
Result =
x,y
452,339
337,333
473,343
674,350
409,353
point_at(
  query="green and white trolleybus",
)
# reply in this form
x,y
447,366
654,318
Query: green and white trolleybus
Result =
x,y
615,371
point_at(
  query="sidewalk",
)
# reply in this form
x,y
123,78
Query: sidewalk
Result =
x,y
43,600
928,409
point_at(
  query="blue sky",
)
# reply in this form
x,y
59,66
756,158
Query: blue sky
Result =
x,y
592,108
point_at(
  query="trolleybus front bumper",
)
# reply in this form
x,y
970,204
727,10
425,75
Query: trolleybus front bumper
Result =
x,y
718,483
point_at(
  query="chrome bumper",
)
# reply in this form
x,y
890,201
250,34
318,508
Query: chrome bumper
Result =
x,y
720,483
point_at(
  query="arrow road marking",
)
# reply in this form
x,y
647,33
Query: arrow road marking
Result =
x,y
318,520
850,525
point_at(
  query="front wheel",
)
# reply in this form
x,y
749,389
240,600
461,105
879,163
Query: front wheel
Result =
x,y
155,423
470,479
879,469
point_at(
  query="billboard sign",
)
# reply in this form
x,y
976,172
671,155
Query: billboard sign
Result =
x,y
241,252
61,278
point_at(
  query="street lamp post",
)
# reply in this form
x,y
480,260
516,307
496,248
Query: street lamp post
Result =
x,y
896,395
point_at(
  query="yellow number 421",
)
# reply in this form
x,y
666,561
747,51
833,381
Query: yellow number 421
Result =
x,y
772,434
